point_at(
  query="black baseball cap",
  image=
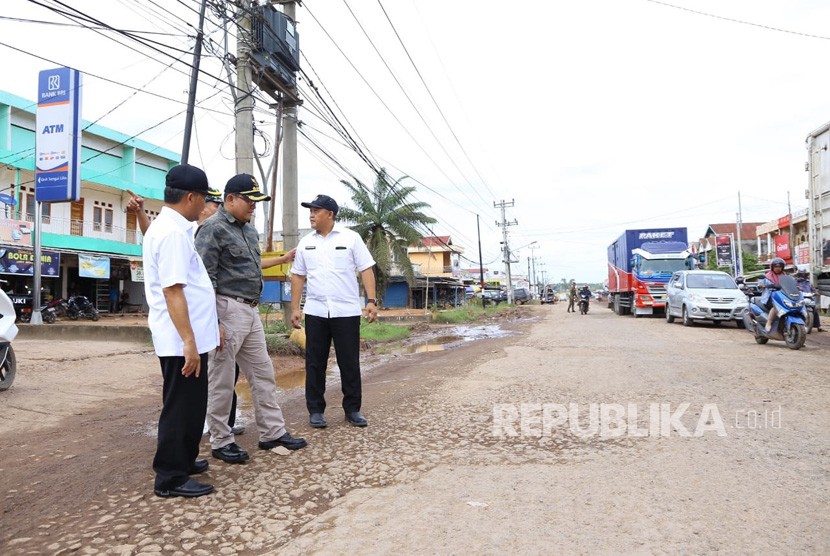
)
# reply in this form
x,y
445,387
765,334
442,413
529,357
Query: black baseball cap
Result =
x,y
246,184
187,178
323,202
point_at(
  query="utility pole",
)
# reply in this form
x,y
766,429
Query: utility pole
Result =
x,y
790,213
533,258
480,263
244,99
269,232
504,224
290,204
739,264
194,80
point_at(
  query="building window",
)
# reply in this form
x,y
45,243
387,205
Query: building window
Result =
x,y
31,208
102,216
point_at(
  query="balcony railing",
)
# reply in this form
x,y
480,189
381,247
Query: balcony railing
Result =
x,y
87,228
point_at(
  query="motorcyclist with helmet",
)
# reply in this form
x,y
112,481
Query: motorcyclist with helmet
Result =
x,y
771,278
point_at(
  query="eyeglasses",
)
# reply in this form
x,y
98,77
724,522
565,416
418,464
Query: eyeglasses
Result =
x,y
244,198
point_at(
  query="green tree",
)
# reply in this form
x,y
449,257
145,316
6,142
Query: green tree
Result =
x,y
750,262
388,221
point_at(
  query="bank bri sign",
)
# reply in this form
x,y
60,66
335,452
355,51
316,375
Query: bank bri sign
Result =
x,y
58,138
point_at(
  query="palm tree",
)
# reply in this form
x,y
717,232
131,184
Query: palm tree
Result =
x,y
388,222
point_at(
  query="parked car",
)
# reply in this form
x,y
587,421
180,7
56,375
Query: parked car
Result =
x,y
704,295
493,296
548,295
521,296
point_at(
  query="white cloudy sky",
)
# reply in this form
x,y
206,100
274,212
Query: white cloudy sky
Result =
x,y
593,116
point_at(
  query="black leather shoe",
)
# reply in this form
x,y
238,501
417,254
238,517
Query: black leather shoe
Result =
x,y
317,421
190,489
231,454
199,466
356,418
286,441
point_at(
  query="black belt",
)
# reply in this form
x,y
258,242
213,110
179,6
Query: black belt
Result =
x,y
251,302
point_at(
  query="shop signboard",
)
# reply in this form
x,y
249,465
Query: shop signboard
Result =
x,y
20,262
94,266
15,232
58,136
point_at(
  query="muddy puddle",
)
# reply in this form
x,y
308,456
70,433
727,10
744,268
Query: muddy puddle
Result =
x,y
448,338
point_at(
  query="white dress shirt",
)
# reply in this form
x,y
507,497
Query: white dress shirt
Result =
x,y
330,265
170,258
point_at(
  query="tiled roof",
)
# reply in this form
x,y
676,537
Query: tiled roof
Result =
x,y
436,241
747,229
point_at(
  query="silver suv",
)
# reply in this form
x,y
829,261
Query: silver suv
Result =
x,y
704,295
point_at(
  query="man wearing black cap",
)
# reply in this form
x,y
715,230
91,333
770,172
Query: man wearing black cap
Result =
x,y
182,320
229,246
327,261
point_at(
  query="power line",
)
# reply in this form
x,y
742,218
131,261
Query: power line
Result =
x,y
435,102
742,22
383,103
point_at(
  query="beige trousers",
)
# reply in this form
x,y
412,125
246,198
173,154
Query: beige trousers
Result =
x,y
245,345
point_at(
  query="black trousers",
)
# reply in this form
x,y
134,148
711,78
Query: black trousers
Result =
x,y
181,421
345,333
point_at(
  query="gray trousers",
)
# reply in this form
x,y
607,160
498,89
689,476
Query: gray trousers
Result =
x,y
245,345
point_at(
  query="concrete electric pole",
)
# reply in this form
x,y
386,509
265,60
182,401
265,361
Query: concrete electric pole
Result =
x,y
504,224
244,99
290,203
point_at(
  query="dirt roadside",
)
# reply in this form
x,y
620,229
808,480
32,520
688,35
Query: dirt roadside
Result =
x,y
429,475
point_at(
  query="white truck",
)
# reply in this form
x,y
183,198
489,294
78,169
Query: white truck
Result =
x,y
818,195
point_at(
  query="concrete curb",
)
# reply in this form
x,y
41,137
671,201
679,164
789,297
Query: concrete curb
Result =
x,y
100,332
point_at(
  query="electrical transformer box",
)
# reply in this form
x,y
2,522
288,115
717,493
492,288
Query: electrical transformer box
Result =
x,y
276,35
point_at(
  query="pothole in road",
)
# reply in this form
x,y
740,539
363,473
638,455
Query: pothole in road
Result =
x,y
446,338
449,338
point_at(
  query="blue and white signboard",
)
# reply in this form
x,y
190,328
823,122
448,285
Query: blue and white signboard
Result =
x,y
94,266
58,137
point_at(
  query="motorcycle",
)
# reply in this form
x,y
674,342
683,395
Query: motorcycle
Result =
x,y
583,303
810,307
60,306
22,304
789,325
80,306
8,332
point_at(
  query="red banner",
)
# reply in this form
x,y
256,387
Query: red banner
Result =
x,y
782,246
784,222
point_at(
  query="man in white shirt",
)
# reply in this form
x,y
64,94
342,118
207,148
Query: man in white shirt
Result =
x,y
327,261
185,329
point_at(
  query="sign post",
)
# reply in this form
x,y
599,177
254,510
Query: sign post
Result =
x,y
725,251
57,152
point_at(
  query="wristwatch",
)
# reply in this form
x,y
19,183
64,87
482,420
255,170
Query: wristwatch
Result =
x,y
371,300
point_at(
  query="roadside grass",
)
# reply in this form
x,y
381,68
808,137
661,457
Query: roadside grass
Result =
x,y
383,332
277,342
470,312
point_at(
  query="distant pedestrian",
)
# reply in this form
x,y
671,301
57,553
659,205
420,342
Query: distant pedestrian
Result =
x,y
572,297
183,323
327,262
114,299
